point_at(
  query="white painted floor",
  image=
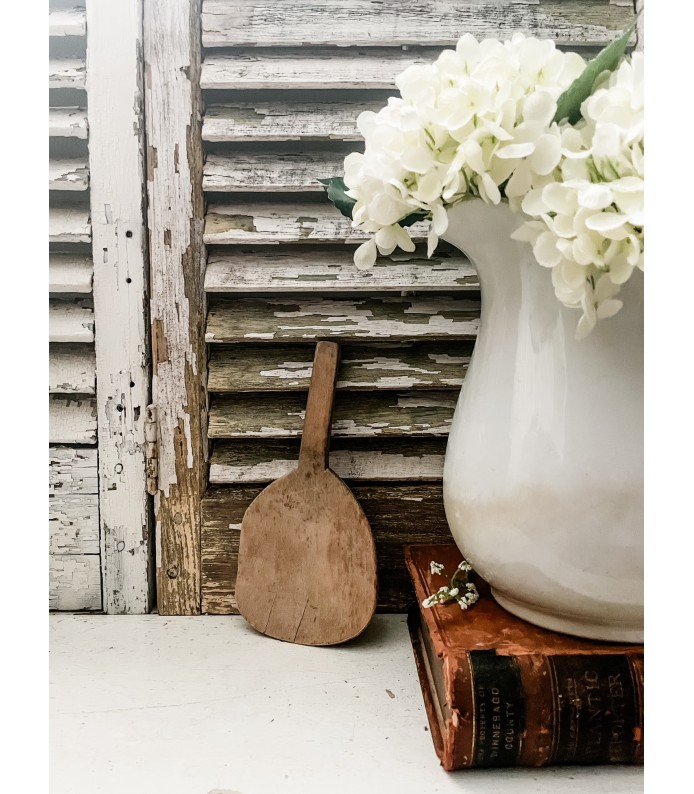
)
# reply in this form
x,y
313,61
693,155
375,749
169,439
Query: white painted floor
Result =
x,y
200,705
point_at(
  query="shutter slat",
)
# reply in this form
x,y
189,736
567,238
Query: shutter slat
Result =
x,y
67,22
382,459
67,123
69,225
70,273
267,23
72,470
285,121
380,414
277,172
306,318
67,73
286,369
73,523
70,321
353,69
75,582
68,174
72,420
268,222
334,271
72,370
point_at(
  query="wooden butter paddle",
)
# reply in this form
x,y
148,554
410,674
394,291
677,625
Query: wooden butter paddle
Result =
x,y
307,560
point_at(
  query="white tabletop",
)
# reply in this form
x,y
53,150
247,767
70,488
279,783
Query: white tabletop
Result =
x,y
200,705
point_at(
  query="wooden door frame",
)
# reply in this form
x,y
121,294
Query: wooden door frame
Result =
x,y
173,113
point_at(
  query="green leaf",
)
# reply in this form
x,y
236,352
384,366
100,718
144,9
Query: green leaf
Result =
x,y
337,193
607,60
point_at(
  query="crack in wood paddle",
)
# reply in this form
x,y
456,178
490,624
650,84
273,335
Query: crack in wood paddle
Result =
x,y
307,560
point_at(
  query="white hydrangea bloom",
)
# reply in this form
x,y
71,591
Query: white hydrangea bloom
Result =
x,y
587,221
478,117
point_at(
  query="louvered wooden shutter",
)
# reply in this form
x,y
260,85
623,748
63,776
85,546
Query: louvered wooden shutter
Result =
x,y
75,578
283,84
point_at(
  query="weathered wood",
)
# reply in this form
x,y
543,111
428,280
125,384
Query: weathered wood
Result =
x,y
75,582
71,321
269,222
383,459
385,413
72,420
639,25
72,369
68,174
285,369
72,470
175,212
69,225
304,534
67,22
70,273
333,270
66,73
306,318
398,514
67,123
266,23
73,523
117,172
285,121
301,70
262,172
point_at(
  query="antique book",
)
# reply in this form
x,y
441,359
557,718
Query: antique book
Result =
x,y
501,692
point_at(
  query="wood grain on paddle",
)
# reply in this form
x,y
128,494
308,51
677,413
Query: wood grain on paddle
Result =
x,y
307,560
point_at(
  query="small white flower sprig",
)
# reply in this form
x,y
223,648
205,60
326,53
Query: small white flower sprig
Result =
x,y
460,590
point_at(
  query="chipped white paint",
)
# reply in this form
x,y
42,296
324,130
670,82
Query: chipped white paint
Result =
x,y
354,69
333,271
72,420
70,273
267,23
68,174
75,582
67,122
116,158
72,369
66,73
263,172
72,470
67,22
73,523
351,465
285,121
71,321
69,225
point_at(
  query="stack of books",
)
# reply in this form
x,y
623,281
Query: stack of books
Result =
x,y
501,692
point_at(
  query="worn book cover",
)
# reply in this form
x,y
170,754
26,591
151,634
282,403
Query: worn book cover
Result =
x,y
501,692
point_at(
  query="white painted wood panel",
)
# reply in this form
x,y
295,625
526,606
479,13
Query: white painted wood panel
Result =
x,y
275,172
270,222
117,184
73,523
69,225
72,470
68,174
307,70
75,582
72,369
67,22
66,73
70,321
72,420
285,121
267,23
67,122
334,271
69,273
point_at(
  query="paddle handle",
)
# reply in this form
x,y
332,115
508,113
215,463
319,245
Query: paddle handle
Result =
x,y
315,441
